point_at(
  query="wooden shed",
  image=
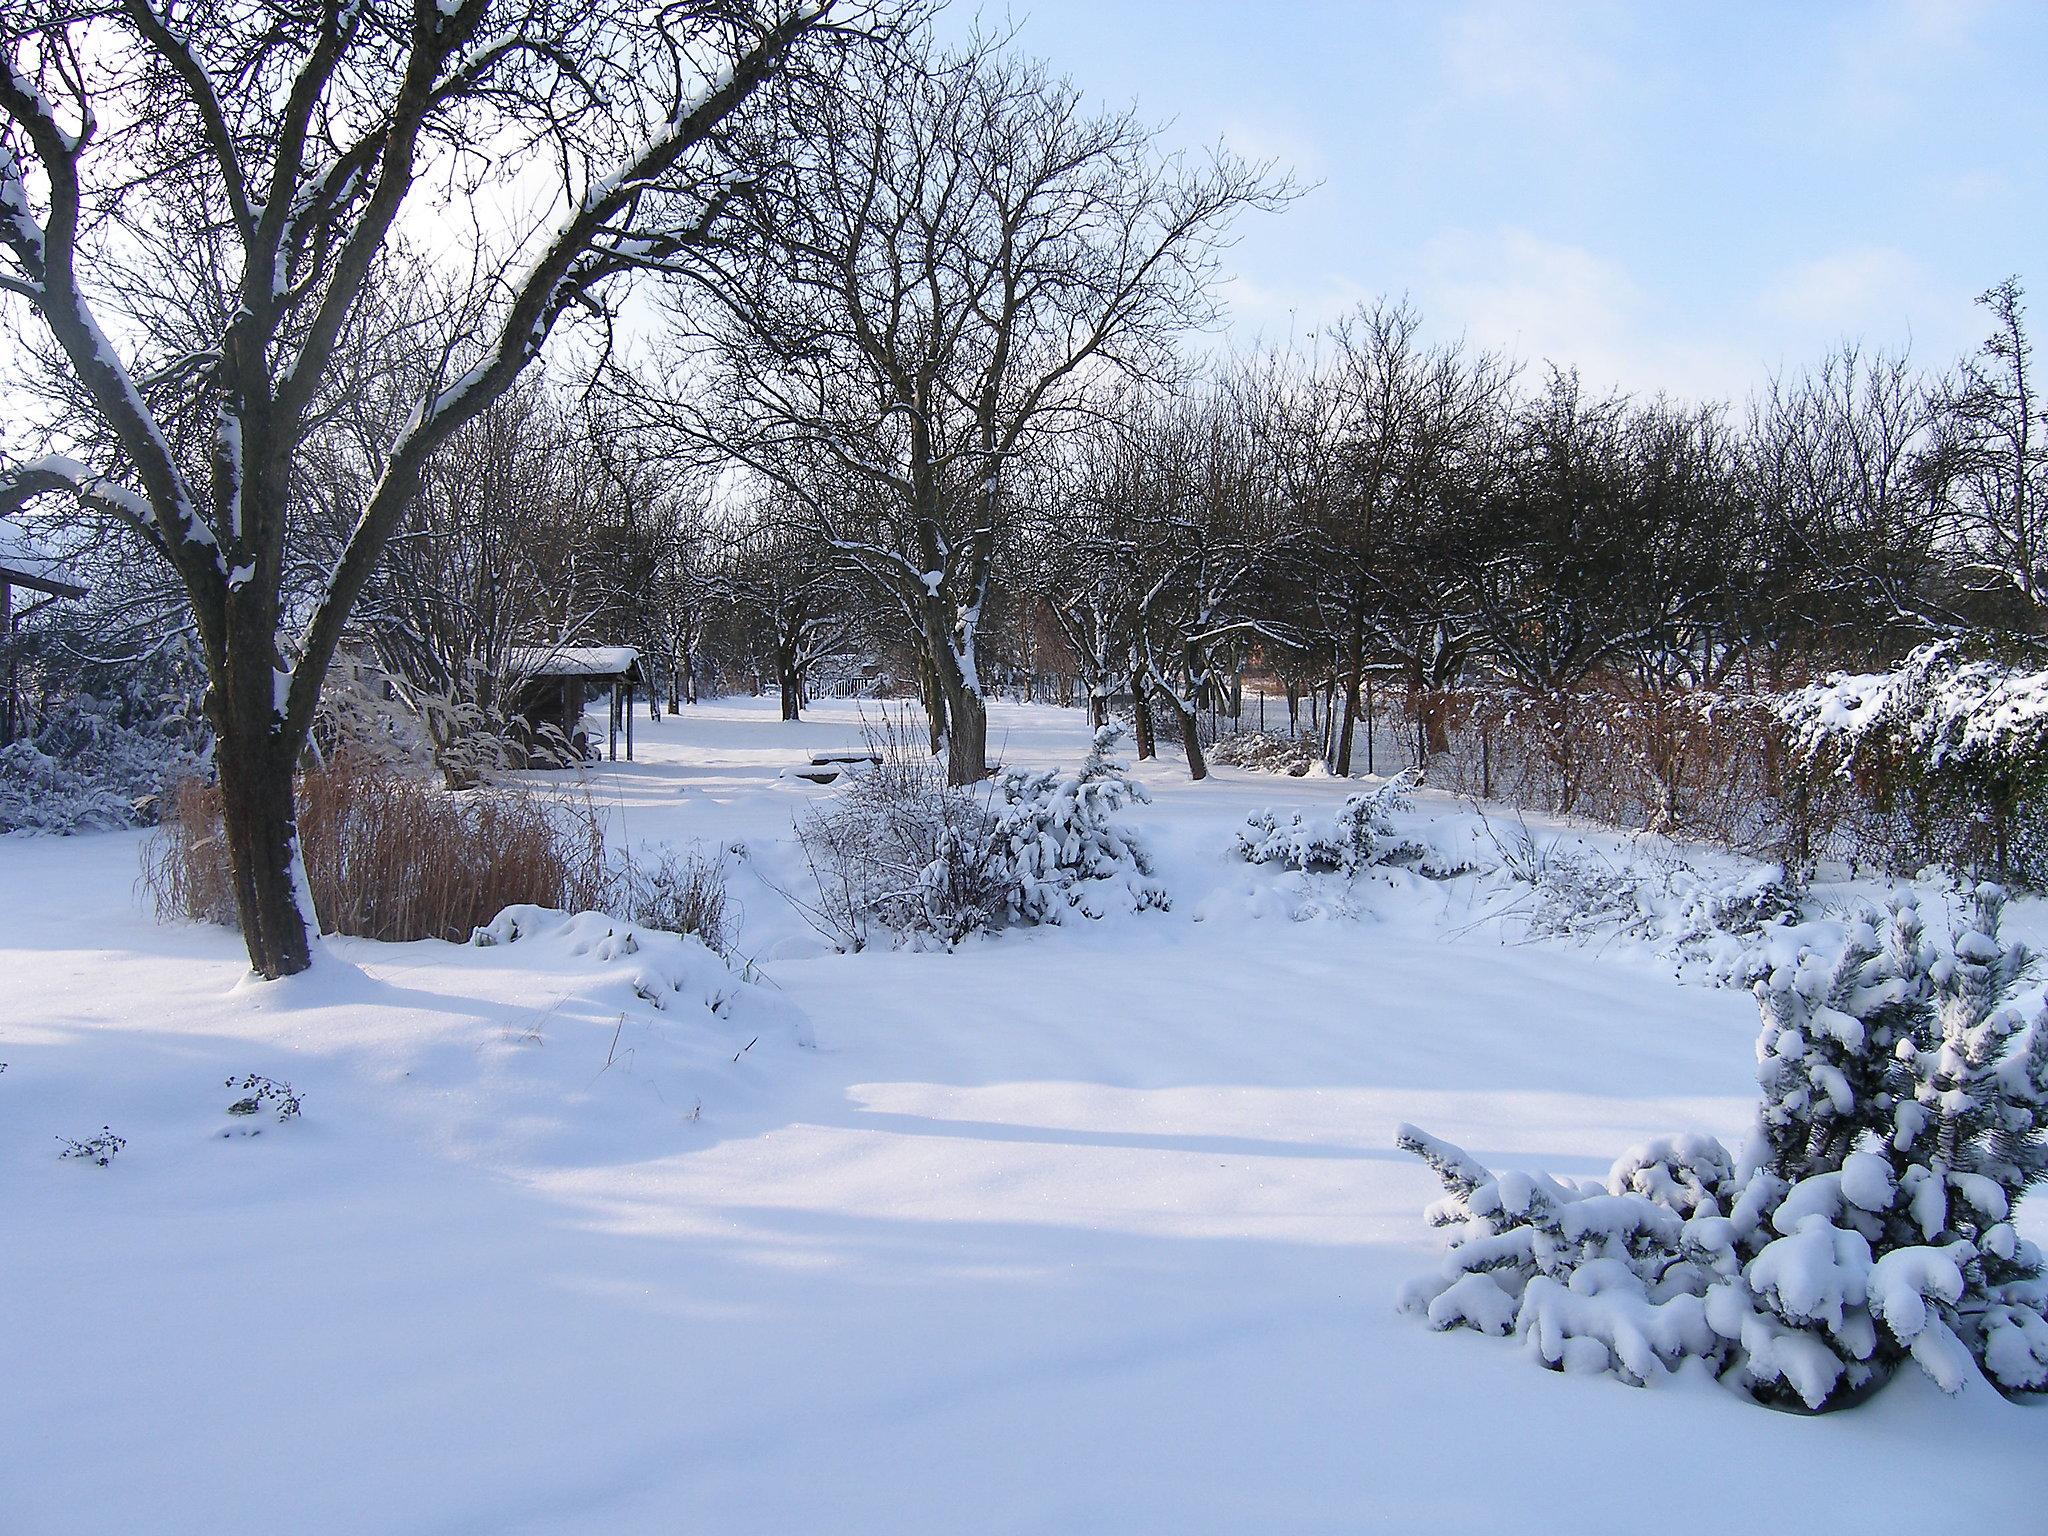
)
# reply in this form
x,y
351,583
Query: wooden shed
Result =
x,y
555,685
25,564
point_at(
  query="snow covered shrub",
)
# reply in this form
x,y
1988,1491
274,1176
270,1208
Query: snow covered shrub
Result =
x,y
1361,835
392,856
1868,1221
369,715
108,746
1576,892
1064,843
1946,758
677,893
89,769
40,793
260,1091
1264,751
902,852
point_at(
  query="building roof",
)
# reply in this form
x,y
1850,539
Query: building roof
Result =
x,y
25,563
616,661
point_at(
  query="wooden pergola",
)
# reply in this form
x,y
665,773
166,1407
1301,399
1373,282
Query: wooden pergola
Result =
x,y
25,564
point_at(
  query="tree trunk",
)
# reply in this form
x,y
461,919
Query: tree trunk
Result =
x,y
1148,745
1198,765
933,694
966,714
1353,651
1436,706
792,693
260,825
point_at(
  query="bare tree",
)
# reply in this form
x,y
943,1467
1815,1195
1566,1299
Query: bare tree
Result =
x,y
795,590
977,262
1186,503
1068,562
1992,454
1842,457
287,141
1399,439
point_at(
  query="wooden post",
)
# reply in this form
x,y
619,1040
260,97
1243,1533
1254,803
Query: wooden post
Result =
x,y
611,750
629,722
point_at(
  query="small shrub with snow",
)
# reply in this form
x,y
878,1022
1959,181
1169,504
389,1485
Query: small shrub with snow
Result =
x,y
262,1092
99,1150
1868,1222
1946,756
108,741
92,768
1360,836
1264,751
1065,844
678,893
903,854
1578,893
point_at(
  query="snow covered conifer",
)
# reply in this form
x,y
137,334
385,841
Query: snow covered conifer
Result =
x,y
1825,1057
1969,1138
1361,835
1068,843
1904,1113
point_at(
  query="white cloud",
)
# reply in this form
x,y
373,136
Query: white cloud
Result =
x,y
1529,55
1277,313
1890,55
1845,292
1975,188
1547,301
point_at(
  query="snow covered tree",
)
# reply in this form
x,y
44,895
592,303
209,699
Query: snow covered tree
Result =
x,y
1869,1222
1826,1054
1066,843
245,170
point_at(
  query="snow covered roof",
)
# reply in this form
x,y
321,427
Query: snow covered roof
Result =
x,y
25,563
573,660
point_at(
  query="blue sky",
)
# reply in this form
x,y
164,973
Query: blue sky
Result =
x,y
1674,196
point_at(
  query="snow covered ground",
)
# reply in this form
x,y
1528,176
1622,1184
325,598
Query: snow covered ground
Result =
x,y
1086,1229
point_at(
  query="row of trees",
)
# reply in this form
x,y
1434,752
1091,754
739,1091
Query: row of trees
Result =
x,y
921,394
1434,516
